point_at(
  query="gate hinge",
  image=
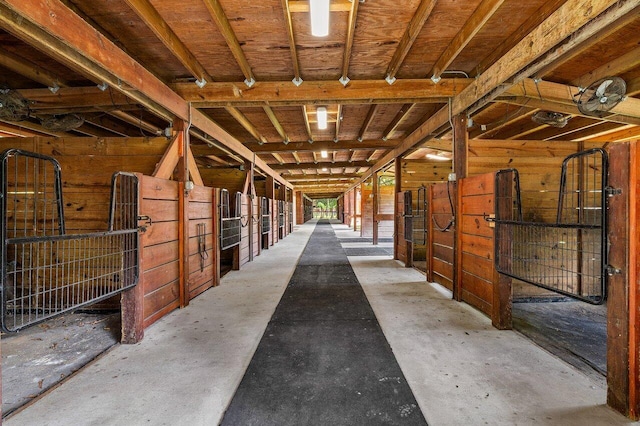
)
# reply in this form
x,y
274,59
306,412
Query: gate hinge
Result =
x,y
612,270
612,191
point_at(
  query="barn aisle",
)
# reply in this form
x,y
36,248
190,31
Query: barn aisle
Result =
x,y
190,363
323,359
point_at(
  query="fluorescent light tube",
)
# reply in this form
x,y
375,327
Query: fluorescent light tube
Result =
x,y
321,115
319,11
324,154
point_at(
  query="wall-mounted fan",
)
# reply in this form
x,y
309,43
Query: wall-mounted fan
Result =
x,y
62,123
550,118
13,107
601,96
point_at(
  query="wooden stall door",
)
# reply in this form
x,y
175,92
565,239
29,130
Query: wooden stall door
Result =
x,y
245,241
160,248
479,283
402,245
441,233
255,227
202,252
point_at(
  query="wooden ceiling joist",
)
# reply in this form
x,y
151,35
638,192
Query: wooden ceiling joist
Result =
x,y
413,29
31,70
299,6
217,13
474,24
276,123
351,30
367,122
244,122
283,93
150,16
286,7
388,132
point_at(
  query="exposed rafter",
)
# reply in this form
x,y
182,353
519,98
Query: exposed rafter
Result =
x,y
413,29
480,16
297,76
319,165
150,16
244,122
388,132
367,122
276,123
217,13
348,46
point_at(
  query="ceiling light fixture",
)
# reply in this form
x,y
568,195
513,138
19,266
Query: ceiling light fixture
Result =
x,y
438,157
324,154
319,11
321,115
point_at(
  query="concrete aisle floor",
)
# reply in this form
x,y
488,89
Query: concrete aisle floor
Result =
x,y
461,370
189,364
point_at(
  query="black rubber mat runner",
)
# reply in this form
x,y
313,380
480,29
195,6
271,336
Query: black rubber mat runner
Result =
x,y
323,359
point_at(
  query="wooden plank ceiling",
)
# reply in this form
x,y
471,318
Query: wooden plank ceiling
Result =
x,y
250,76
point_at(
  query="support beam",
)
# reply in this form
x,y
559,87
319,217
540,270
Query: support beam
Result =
x,y
246,124
286,7
283,93
220,18
276,123
319,165
413,29
150,16
474,24
397,120
367,121
348,46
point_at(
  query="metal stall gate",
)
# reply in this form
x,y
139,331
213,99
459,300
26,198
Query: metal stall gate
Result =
x,y
230,226
281,219
408,216
45,271
567,255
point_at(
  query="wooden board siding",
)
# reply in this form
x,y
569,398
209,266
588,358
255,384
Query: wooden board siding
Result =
x,y
401,243
160,276
255,227
275,227
202,264
384,215
366,229
441,242
244,231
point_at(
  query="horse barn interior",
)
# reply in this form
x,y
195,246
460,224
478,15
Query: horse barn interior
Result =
x,y
161,262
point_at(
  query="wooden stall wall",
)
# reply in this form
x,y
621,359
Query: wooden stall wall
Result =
x,y
384,215
255,227
480,284
440,236
402,245
245,241
202,250
160,264
275,226
366,217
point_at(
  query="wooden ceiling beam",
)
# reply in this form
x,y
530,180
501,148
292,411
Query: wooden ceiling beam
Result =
x,y
276,123
37,128
284,93
298,178
296,157
628,134
31,71
609,30
474,24
245,123
286,7
348,46
152,19
533,21
579,19
336,138
217,13
305,117
397,120
278,158
418,20
319,165
619,65
367,121
13,130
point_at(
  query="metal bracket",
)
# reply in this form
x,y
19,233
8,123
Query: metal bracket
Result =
x,y
612,270
491,218
612,191
148,222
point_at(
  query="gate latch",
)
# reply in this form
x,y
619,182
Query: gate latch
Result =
x,y
148,222
612,270
612,191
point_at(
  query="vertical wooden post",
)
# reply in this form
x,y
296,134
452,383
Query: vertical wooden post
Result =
x,y
502,294
429,214
374,207
355,209
183,215
397,189
460,148
362,204
132,300
216,237
634,291
622,369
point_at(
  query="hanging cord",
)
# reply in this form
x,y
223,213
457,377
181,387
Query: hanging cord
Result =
x,y
453,213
